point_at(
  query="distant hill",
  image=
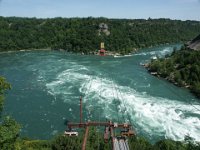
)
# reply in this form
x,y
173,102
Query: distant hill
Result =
x,y
195,43
85,34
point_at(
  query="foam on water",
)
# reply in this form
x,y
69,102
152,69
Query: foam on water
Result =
x,y
63,82
66,81
159,53
153,115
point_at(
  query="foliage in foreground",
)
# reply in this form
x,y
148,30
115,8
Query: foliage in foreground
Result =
x,y
95,141
181,68
4,85
9,128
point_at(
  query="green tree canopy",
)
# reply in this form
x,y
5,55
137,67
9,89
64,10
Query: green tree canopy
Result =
x,y
9,128
4,85
85,34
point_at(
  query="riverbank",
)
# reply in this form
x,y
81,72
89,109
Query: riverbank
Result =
x,y
70,33
25,50
182,69
172,80
107,53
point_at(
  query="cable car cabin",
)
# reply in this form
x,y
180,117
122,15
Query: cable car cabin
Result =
x,y
102,52
70,133
127,132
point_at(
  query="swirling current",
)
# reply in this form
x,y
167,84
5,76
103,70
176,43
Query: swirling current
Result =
x,y
46,86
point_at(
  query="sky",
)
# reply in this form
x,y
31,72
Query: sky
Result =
x,y
130,9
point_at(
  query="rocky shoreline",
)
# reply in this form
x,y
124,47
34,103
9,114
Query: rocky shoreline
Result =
x,y
172,80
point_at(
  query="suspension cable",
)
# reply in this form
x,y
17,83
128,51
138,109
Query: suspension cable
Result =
x,y
122,98
123,115
99,110
180,96
115,100
123,102
125,106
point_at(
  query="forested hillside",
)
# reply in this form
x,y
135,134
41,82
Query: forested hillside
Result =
x,y
182,68
85,34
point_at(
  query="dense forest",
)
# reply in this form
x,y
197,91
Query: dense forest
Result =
x,y
85,34
10,138
181,68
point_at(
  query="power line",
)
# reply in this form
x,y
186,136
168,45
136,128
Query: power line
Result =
x,y
180,96
99,108
125,106
118,99
115,100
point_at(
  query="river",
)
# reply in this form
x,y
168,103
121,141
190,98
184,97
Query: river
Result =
x,y
46,86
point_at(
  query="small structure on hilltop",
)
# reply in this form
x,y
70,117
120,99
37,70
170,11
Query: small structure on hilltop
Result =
x,y
102,51
103,28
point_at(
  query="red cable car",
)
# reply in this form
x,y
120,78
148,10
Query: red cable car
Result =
x,y
102,52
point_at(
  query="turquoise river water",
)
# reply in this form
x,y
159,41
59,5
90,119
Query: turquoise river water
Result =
x,y
46,86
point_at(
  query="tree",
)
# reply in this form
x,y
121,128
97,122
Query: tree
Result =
x,y
9,128
169,145
182,68
9,131
4,85
84,34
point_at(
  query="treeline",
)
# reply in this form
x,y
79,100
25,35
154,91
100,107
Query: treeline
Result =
x,y
95,142
182,68
10,137
85,34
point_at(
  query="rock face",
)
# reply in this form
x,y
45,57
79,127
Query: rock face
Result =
x,y
195,43
103,28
